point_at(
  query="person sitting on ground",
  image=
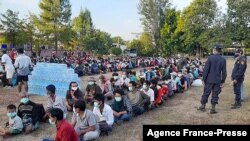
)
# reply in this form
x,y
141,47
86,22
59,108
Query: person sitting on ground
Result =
x,y
139,100
104,114
121,106
78,68
118,83
14,126
148,91
84,122
28,112
183,82
132,75
92,89
65,131
195,72
153,86
54,101
177,82
124,80
105,86
72,95
162,94
142,80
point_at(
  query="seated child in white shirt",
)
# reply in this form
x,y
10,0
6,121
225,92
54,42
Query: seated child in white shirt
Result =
x,y
15,124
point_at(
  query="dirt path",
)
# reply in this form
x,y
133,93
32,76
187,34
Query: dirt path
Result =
x,y
181,109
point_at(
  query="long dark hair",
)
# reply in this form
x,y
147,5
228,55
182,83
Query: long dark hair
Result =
x,y
71,84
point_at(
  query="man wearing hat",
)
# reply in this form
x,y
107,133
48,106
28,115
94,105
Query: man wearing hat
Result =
x,y
214,76
237,77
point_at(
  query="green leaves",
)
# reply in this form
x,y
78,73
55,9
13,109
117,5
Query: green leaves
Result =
x,y
118,39
238,21
116,51
171,33
144,45
12,26
152,12
54,20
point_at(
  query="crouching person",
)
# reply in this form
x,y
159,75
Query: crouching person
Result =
x,y
139,100
28,112
14,126
121,107
104,114
84,122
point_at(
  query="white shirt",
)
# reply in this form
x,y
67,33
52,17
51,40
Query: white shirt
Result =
x,y
106,115
126,81
7,62
16,123
118,82
59,103
151,94
23,63
123,65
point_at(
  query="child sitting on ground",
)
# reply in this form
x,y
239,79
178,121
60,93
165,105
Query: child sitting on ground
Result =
x,y
15,124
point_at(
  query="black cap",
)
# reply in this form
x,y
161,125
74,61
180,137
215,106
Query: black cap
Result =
x,y
217,47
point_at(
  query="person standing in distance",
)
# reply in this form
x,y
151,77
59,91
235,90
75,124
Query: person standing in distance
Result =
x,y
214,76
237,77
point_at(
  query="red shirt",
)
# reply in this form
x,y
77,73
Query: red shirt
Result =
x,y
66,132
12,55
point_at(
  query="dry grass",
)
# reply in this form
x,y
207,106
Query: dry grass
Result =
x,y
181,109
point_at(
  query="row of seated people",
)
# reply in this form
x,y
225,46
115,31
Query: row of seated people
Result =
x,y
113,101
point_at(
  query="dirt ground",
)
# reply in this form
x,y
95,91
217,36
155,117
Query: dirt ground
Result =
x,y
181,109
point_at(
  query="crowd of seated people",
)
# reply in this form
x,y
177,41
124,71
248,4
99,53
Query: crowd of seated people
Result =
x,y
107,101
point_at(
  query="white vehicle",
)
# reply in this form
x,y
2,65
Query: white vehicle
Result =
x,y
130,52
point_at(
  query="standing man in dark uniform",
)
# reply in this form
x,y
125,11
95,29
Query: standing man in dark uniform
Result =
x,y
237,76
214,76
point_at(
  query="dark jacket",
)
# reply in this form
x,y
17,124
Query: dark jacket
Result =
x,y
30,109
78,94
215,70
239,69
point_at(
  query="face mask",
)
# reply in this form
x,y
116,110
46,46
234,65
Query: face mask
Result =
x,y
144,87
11,115
123,76
74,88
118,99
91,83
130,89
52,122
24,100
116,77
96,104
